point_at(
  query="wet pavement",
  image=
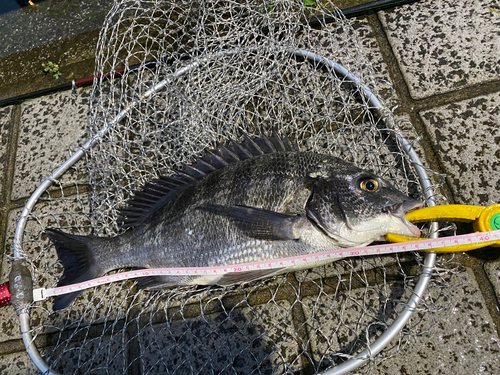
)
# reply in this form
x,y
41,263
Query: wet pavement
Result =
x,y
26,27
443,59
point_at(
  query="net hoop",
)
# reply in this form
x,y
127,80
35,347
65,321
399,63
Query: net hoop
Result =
x,y
382,111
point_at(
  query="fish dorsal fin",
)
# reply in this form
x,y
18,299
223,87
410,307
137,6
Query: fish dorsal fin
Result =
x,y
153,195
156,193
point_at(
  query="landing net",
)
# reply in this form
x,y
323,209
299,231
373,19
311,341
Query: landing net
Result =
x,y
199,73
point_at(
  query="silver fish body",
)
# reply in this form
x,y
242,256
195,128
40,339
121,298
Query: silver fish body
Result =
x,y
260,200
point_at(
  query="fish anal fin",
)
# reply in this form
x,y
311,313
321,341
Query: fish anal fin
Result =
x,y
247,276
152,283
257,223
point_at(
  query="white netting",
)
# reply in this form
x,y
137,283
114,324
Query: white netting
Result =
x,y
239,75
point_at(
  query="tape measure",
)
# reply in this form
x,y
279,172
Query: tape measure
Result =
x,y
392,248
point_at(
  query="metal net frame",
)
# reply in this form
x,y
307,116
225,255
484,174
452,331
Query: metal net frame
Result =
x,y
194,74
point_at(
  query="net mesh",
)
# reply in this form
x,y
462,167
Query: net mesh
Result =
x,y
228,68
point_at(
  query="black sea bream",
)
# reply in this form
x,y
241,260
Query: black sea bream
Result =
x,y
259,200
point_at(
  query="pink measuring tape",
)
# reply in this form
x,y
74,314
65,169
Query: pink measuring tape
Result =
x,y
472,239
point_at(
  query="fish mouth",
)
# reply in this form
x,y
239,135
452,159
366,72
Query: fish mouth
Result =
x,y
399,210
402,208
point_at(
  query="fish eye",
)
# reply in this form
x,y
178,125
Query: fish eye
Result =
x,y
370,185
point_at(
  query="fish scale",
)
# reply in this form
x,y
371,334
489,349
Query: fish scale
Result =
x,y
245,203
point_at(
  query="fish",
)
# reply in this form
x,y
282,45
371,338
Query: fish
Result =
x,y
257,200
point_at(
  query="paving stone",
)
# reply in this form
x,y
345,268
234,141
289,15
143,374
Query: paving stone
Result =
x,y
466,138
236,341
91,306
17,364
457,336
49,214
493,272
463,339
103,354
357,266
82,355
49,126
336,319
47,22
44,259
365,36
10,328
5,126
443,46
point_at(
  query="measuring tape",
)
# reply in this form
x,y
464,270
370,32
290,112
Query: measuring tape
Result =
x,y
392,248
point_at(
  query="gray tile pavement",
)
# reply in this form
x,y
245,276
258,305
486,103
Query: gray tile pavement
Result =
x,y
443,46
466,139
217,337
5,126
440,47
103,355
49,126
48,21
462,338
493,272
17,364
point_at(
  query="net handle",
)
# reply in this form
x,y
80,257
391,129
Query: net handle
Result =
x,y
22,305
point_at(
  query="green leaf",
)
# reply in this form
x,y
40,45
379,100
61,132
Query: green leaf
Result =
x,y
309,3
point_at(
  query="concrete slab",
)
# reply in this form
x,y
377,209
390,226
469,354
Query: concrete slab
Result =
x,y
357,266
104,355
365,37
466,139
493,271
444,46
50,214
92,306
49,126
9,324
48,21
43,258
17,364
336,321
99,355
237,341
458,338
5,126
461,339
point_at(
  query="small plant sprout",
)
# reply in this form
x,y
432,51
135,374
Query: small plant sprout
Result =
x,y
52,68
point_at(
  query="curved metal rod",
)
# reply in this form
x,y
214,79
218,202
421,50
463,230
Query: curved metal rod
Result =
x,y
430,258
30,204
382,111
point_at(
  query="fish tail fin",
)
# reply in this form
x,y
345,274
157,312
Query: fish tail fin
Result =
x,y
76,256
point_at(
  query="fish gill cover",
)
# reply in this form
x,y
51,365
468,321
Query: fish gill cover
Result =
x,y
218,71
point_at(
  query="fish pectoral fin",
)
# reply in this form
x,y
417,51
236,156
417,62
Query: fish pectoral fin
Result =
x,y
257,223
247,276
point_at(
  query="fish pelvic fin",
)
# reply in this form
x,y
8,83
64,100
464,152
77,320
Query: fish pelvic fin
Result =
x,y
76,255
